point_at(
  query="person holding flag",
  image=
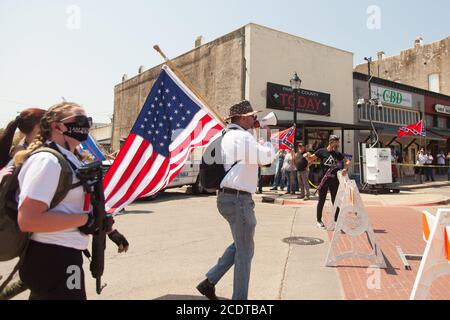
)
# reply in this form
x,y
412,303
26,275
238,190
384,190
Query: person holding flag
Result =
x,y
242,156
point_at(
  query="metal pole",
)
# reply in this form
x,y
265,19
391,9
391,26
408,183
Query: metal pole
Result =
x,y
295,92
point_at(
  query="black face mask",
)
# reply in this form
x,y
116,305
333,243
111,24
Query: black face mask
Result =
x,y
78,130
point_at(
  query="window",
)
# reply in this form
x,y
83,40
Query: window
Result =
x,y
429,121
442,123
433,82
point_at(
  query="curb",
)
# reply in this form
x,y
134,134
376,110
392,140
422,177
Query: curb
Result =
x,y
290,202
424,186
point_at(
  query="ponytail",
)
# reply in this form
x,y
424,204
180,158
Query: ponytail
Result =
x,y
6,140
21,156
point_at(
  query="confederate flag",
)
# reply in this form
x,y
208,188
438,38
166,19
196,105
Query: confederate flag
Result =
x,y
284,139
416,129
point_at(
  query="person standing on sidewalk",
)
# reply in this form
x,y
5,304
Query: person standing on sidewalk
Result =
x,y
448,163
421,160
242,156
302,171
440,158
279,175
429,168
331,161
290,171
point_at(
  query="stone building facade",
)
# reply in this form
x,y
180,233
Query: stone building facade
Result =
x,y
215,68
426,66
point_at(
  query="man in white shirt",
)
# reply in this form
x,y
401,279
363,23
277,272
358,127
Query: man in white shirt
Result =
x,y
242,156
421,160
441,162
429,169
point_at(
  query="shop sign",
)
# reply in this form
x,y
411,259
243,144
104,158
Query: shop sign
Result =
x,y
392,96
439,108
281,98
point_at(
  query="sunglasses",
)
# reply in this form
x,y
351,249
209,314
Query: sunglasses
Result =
x,y
80,120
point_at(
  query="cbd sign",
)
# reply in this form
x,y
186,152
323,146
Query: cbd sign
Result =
x,y
391,96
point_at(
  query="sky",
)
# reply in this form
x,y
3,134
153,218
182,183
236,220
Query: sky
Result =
x,y
80,49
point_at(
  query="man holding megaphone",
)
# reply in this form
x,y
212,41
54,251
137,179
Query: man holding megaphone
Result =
x,y
242,155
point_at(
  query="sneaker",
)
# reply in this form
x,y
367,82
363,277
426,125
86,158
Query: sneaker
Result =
x,y
207,289
274,189
307,198
320,225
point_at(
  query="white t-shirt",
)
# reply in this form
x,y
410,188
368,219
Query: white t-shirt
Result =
x,y
440,159
241,146
38,180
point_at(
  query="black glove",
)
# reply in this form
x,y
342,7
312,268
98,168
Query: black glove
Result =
x,y
91,226
109,222
119,240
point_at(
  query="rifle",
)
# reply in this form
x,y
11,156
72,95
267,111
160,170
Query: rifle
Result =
x,y
331,173
91,177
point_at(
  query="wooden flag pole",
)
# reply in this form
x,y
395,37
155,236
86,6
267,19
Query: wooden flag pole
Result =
x,y
189,84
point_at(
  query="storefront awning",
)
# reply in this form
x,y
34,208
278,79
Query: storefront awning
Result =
x,y
314,124
392,131
444,134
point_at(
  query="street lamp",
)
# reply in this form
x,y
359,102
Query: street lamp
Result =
x,y
296,83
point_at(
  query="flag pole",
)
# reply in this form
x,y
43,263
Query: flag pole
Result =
x,y
189,84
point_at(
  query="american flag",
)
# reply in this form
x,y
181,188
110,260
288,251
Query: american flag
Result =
x,y
172,122
284,139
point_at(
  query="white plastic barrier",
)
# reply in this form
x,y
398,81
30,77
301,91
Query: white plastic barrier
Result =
x,y
353,221
436,259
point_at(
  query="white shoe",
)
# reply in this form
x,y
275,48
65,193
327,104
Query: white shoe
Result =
x,y
320,225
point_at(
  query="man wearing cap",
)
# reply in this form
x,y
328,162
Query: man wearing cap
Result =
x,y
331,161
242,156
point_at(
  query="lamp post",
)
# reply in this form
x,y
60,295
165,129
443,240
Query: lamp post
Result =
x,y
296,83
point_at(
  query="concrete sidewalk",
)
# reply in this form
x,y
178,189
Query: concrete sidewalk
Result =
x,y
432,194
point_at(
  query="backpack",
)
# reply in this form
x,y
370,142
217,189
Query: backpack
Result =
x,y
212,170
14,242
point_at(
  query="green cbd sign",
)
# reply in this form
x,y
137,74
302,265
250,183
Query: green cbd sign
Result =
x,y
392,96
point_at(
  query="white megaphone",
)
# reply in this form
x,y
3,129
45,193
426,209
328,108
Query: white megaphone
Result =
x,y
269,120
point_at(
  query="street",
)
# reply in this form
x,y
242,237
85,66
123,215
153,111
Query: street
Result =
x,y
178,237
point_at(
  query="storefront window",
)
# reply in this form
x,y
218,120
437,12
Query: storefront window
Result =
x,y
429,121
442,122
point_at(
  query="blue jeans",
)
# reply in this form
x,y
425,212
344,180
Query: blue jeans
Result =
x,y
291,177
240,214
278,181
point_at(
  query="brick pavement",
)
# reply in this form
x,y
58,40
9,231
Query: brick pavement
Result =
x,y
393,226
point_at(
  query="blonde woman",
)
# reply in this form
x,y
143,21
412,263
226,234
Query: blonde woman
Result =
x,y
59,234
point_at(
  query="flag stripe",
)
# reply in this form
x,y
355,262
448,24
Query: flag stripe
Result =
x,y
119,160
210,130
119,201
150,169
131,167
